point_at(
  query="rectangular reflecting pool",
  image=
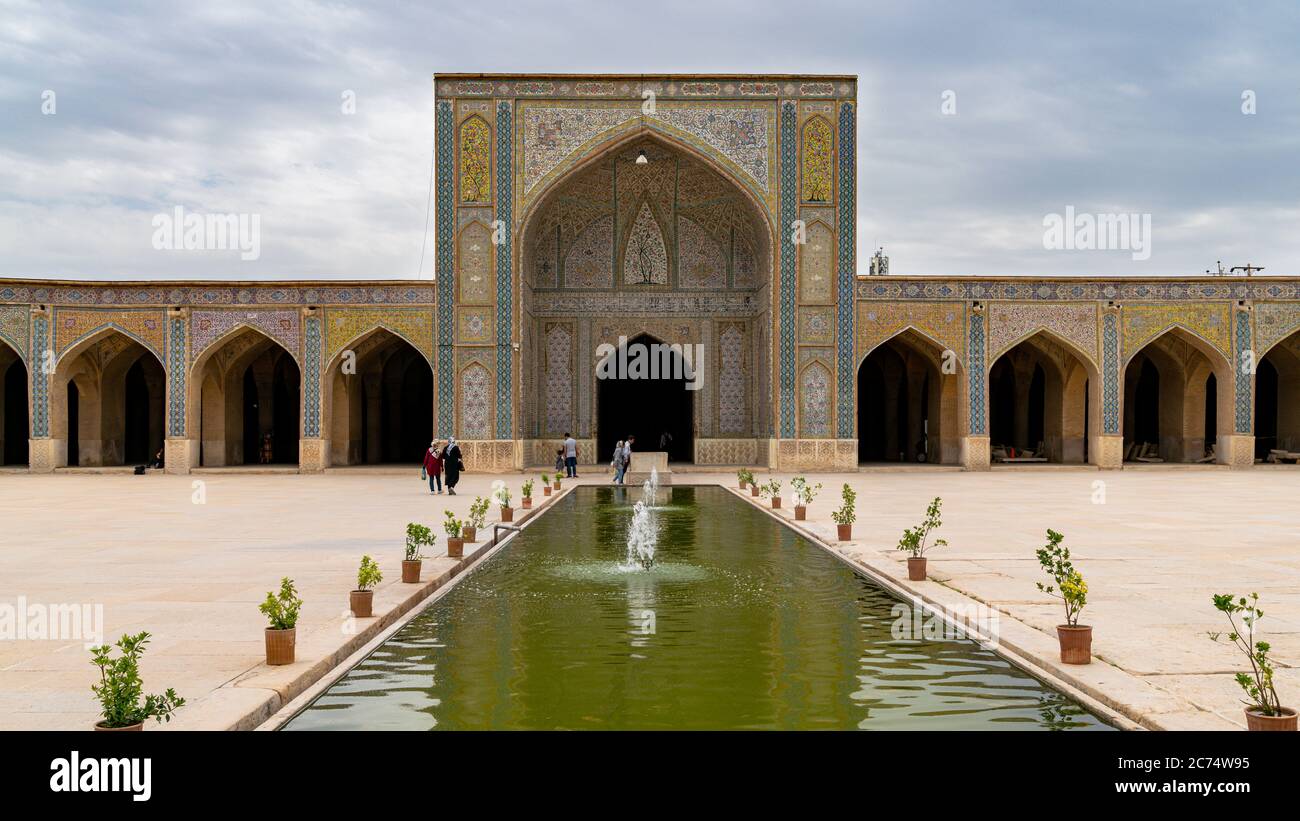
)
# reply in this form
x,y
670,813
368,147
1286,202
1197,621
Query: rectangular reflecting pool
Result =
x,y
739,624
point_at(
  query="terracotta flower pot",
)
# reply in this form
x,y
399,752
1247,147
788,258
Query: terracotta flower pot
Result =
x,y
1258,722
280,645
455,547
361,603
556,485
741,485
916,568
753,490
776,502
507,514
800,513
411,571
469,534
1076,643
139,725
845,532
546,490
528,502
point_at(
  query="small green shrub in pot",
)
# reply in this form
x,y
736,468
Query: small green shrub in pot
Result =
x,y
453,527
528,493
122,702
418,537
846,514
803,495
361,600
916,540
745,477
772,490
475,520
1069,586
1264,710
282,612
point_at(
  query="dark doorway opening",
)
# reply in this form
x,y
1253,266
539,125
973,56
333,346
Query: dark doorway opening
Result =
x,y
74,425
895,423
137,448
1146,410
646,408
284,425
1211,411
1266,390
252,432
16,428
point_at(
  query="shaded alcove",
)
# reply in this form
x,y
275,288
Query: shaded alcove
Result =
x,y
1173,406
247,401
907,406
14,424
380,406
646,407
107,402
1277,398
1040,401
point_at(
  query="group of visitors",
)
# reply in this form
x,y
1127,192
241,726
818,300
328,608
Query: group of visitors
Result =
x,y
622,458
566,457
439,459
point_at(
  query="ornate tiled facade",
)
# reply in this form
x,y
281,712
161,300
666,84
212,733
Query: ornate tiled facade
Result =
x,y
720,211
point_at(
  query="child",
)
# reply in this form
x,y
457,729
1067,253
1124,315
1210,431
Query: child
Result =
x,y
559,460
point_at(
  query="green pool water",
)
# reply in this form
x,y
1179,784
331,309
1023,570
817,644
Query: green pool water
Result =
x,y
741,624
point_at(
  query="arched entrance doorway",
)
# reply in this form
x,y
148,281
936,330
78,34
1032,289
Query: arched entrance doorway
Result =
x,y
246,397
647,235
907,406
14,428
1041,402
380,402
107,399
648,399
1277,401
1173,403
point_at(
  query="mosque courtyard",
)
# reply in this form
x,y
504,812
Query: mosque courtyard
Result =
x,y
188,558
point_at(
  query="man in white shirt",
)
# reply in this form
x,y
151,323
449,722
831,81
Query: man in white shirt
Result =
x,y
570,456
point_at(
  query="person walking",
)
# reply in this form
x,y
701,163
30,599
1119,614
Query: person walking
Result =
x,y
665,441
433,466
617,463
570,456
452,464
627,457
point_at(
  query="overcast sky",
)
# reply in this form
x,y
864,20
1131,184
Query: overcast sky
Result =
x,y
230,107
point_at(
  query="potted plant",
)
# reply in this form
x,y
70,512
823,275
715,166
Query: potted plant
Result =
x,y
745,476
417,536
361,601
773,490
120,688
546,484
803,495
1068,586
455,544
475,520
1264,711
501,495
916,541
556,484
282,612
528,493
847,514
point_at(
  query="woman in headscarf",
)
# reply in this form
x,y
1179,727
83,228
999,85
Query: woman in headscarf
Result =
x,y
433,466
452,464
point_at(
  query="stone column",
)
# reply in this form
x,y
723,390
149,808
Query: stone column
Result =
x,y
1107,447
374,424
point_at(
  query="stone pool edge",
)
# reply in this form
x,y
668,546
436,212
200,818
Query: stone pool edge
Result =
x,y
260,697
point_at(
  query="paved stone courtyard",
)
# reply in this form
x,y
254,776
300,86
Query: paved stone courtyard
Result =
x,y
193,574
